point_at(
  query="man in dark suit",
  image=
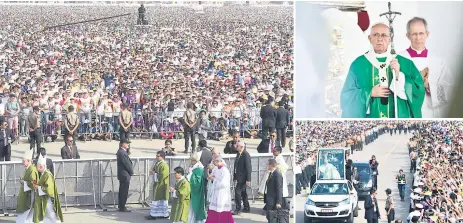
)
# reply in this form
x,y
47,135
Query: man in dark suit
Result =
x,y
282,123
6,138
69,151
124,172
374,171
273,195
205,157
268,113
371,208
242,177
43,152
267,145
230,146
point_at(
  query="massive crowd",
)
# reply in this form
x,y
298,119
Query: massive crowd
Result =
x,y
438,178
227,60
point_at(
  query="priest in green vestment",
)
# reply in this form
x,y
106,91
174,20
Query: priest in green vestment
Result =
x,y
26,195
369,88
181,195
47,206
160,173
197,212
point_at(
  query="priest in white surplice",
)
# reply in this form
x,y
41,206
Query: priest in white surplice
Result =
x,y
438,79
220,206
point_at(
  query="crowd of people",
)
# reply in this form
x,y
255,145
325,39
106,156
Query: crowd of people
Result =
x,y
436,153
228,61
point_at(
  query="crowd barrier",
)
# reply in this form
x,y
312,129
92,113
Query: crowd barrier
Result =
x,y
93,182
148,125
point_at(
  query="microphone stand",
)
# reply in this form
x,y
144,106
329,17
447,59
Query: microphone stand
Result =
x,y
390,16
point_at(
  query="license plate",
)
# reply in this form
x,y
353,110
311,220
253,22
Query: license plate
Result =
x,y
327,210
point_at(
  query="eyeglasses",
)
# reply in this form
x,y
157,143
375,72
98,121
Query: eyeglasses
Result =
x,y
377,35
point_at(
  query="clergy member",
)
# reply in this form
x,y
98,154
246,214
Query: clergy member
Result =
x,y
220,202
197,212
25,206
181,195
369,88
436,75
44,208
160,173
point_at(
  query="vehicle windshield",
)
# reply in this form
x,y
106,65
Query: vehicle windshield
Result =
x,y
330,188
363,169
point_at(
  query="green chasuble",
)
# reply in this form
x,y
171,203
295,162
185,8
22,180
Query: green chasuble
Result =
x,y
47,183
161,188
24,198
197,194
181,205
356,93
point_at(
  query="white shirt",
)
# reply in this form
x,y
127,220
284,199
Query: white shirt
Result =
x,y
297,169
412,214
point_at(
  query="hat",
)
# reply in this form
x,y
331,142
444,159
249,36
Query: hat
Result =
x,y
28,154
125,141
388,191
417,190
41,161
420,184
420,206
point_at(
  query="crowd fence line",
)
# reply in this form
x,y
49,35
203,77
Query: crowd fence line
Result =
x,y
93,182
146,125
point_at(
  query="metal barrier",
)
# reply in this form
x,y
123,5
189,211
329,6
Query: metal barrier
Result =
x,y
93,182
151,125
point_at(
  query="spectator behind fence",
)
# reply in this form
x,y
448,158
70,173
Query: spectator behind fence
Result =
x,y
268,145
69,151
33,124
124,173
268,113
6,138
168,149
282,121
43,152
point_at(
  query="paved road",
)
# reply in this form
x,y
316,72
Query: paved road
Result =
x,y
138,215
106,149
392,154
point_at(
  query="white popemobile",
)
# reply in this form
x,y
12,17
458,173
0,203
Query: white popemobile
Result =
x,y
332,196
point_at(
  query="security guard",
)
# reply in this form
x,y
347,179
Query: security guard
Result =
x,y
390,206
401,182
71,124
126,120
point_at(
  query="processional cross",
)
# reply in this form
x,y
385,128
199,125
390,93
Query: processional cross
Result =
x,y
390,16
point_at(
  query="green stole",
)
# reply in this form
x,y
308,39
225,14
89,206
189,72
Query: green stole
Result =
x,y
47,183
24,198
161,188
197,194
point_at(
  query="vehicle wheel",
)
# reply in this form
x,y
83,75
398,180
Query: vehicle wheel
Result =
x,y
307,219
356,211
350,219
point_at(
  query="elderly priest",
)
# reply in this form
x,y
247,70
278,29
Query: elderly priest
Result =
x,y
47,207
25,207
369,88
